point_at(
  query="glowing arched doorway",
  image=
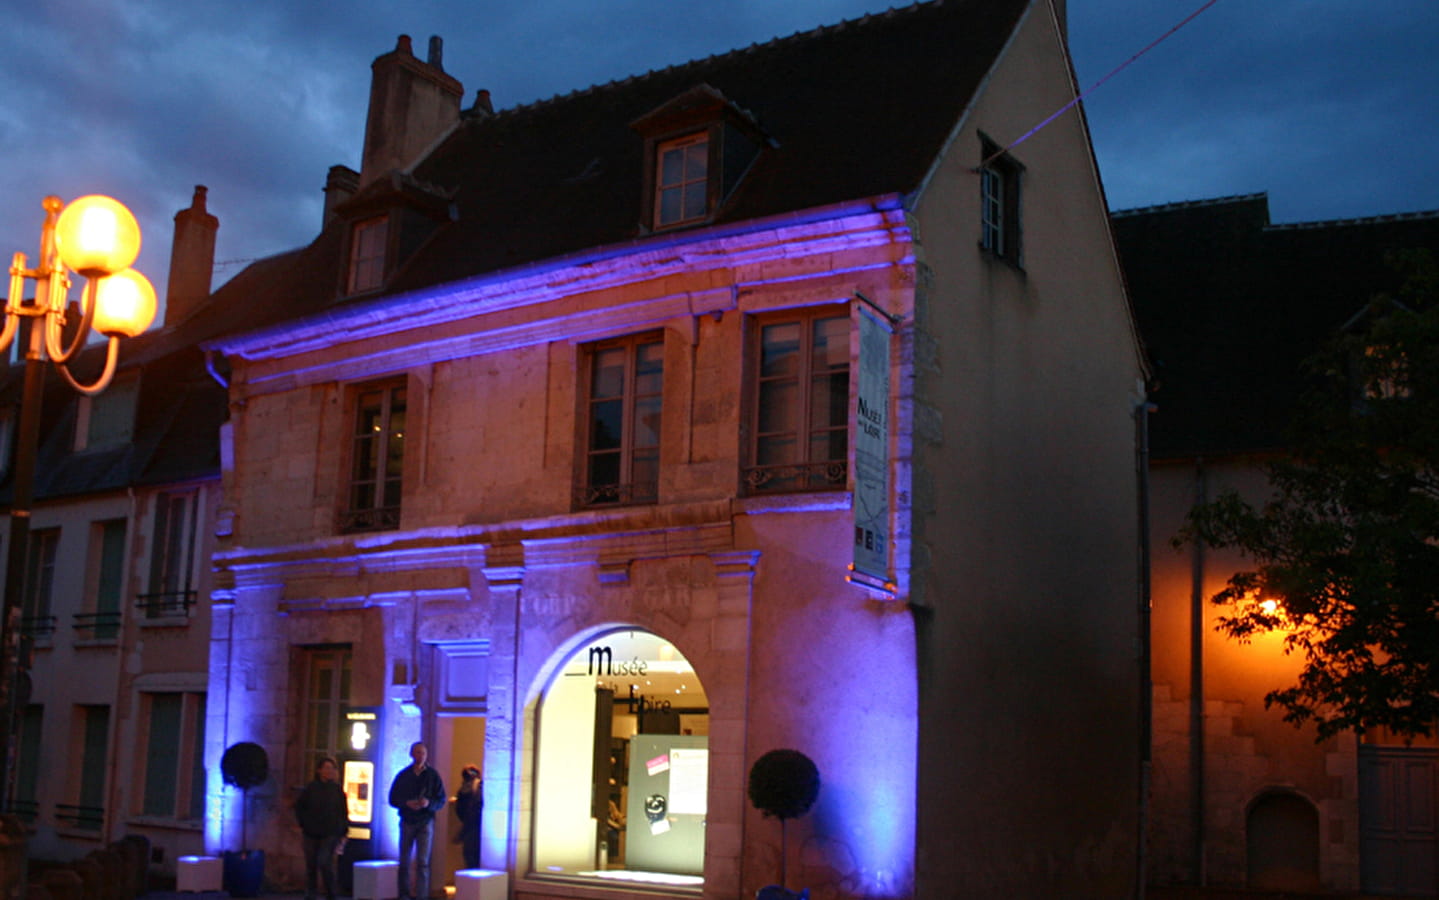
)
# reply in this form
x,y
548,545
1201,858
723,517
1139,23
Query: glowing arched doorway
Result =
x,y
622,763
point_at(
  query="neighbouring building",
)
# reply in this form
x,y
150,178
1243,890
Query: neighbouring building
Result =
x,y
1229,305
116,604
779,399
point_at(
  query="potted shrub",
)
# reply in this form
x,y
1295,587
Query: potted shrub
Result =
x,y
783,784
244,765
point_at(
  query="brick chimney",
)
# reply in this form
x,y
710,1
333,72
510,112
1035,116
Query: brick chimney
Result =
x,y
412,103
340,186
192,259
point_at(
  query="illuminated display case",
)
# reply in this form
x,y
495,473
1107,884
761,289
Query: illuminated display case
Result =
x,y
359,782
358,764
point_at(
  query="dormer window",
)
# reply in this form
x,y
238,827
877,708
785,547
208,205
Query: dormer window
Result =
x,y
107,420
697,148
387,222
368,244
682,180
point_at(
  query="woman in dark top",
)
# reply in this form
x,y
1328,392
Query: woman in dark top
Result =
x,y
324,818
468,804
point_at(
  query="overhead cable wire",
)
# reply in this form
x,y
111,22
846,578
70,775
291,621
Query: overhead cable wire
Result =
x,y
1121,67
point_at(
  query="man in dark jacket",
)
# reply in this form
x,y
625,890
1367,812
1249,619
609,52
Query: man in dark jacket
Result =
x,y
324,819
418,794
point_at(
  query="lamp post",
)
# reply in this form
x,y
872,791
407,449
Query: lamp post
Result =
x,y
98,238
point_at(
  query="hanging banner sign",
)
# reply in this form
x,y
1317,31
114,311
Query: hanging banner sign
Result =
x,y
871,449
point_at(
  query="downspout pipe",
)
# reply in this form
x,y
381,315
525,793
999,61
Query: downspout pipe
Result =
x,y
1197,761
212,367
1142,411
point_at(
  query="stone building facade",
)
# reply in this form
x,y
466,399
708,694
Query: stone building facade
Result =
x,y
621,438
115,613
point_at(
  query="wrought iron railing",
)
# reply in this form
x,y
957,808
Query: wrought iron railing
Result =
x,y
26,810
38,628
87,818
385,518
792,477
636,494
99,626
166,604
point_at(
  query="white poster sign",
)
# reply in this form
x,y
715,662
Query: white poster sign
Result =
x,y
689,780
871,449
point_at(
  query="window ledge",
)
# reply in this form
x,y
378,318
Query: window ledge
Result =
x,y
97,643
812,501
1001,259
85,834
166,622
164,822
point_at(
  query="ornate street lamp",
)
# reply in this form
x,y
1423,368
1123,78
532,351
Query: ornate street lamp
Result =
x,y
98,238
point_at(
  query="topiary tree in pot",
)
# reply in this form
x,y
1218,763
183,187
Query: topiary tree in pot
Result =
x,y
245,765
783,784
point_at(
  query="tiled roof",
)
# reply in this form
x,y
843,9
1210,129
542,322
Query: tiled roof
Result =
x,y
1229,305
854,110
851,111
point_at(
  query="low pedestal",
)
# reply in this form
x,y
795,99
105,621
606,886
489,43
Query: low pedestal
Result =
x,y
481,884
198,873
377,879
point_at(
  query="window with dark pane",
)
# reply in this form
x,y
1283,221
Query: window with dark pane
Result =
x,y
368,245
377,460
800,428
626,382
682,180
999,209
327,693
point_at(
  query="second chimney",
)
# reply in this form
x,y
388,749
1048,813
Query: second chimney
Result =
x,y
192,259
340,186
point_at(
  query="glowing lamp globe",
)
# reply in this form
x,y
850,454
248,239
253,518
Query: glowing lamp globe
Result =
x,y
124,304
97,235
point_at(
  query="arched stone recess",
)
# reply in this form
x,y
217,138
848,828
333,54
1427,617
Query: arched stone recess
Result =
x,y
698,603
1281,830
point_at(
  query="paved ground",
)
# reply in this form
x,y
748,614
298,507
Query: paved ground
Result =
x,y
1171,893
1192,893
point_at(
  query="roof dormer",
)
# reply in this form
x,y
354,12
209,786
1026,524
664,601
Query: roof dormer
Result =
x,y
697,147
386,222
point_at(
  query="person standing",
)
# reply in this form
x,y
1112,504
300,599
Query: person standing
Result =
x,y
469,803
418,793
324,819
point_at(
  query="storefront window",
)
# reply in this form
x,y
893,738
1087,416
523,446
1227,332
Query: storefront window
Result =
x,y
622,767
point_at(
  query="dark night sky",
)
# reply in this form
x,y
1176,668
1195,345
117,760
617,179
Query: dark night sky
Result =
x,y
1332,106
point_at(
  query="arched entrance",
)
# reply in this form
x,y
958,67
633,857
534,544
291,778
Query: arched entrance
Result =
x,y
1282,837
622,763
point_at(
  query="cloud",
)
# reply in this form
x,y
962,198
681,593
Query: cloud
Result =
x,y
1327,104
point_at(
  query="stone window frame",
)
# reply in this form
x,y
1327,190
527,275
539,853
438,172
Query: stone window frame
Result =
x,y
686,181
377,514
626,491
187,772
1000,195
369,254
801,472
